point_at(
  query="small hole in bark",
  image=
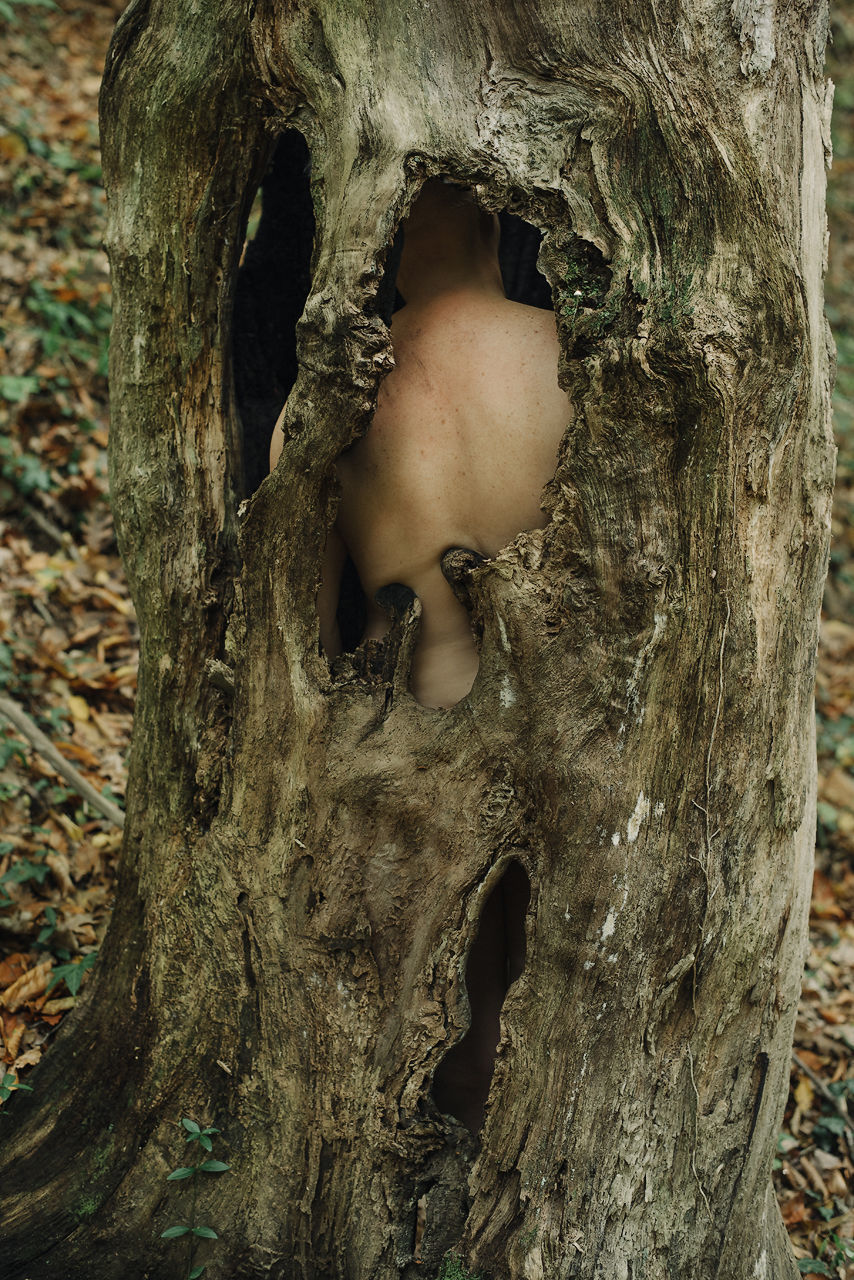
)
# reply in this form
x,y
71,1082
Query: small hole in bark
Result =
x,y
496,959
420,1224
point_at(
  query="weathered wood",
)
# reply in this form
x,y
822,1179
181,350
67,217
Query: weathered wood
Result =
x,y
306,855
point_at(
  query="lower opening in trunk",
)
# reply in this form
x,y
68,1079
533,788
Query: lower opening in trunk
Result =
x,y
496,959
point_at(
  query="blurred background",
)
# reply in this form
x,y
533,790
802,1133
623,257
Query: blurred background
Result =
x,y
68,648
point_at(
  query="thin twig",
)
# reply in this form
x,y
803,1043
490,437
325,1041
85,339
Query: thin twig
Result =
x,y
60,536
43,745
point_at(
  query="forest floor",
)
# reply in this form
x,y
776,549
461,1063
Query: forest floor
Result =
x,y
68,641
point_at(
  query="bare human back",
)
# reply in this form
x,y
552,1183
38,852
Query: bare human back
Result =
x,y
463,440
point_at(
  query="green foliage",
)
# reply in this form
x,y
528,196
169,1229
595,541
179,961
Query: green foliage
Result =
x,y
18,389
23,470
72,974
184,1173
72,328
10,9
195,1134
9,1085
453,1268
835,1253
22,870
87,1205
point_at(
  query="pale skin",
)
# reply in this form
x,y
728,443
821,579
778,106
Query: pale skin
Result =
x,y
463,440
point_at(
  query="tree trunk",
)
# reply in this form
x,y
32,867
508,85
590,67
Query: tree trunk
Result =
x,y
307,853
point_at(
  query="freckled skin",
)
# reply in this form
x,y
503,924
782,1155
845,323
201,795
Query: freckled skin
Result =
x,y
464,438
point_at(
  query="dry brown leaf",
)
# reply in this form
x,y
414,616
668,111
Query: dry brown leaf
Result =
x,y
813,1060
78,709
804,1094
794,1210
824,900
824,1161
27,987
12,1041
814,1178
60,871
30,1058
12,967
838,789
69,826
794,1178
61,1005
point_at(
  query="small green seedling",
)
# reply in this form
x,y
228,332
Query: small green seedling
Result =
x,y
9,1083
194,1233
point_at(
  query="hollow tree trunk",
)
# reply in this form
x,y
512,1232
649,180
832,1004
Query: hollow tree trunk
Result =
x,y
306,854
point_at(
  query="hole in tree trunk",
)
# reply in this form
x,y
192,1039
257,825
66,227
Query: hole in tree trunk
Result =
x,y
496,959
273,284
463,440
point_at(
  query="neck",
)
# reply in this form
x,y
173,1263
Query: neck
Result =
x,y
450,245
431,274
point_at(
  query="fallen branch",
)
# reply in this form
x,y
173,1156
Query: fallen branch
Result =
x,y
43,745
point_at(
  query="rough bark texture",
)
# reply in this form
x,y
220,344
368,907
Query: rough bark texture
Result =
x,y
306,855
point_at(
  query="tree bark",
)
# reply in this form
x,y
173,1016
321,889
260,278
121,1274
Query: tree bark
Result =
x,y
307,853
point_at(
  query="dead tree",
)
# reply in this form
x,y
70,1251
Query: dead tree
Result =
x,y
307,851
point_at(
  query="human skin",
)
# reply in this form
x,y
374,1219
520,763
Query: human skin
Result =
x,y
463,441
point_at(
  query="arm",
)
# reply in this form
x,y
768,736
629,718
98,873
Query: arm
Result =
x,y
277,440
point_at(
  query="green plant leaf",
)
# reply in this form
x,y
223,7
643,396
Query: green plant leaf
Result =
x,y
205,1233
831,1124
197,1271
18,388
205,1141
172,1233
214,1166
812,1267
184,1172
72,974
191,1127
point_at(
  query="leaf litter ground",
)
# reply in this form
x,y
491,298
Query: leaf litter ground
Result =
x,y
68,639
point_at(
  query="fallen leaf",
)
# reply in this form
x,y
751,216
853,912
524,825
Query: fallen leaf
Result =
x,y
27,987
814,1178
78,709
11,968
13,1040
61,1005
61,872
795,1210
27,1059
804,1093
